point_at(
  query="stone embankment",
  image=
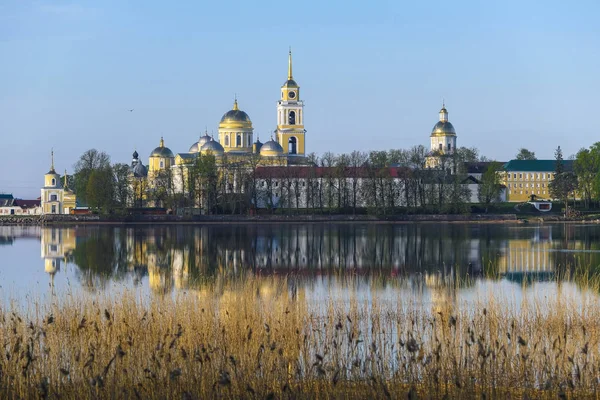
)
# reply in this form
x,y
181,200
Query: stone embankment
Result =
x,y
170,219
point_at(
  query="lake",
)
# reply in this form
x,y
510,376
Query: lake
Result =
x,y
428,263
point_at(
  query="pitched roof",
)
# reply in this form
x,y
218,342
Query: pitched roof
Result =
x,y
6,200
536,165
479,167
27,203
303,172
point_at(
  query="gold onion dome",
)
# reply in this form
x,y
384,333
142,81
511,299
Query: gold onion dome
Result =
x,y
271,148
235,118
162,151
212,146
443,128
195,148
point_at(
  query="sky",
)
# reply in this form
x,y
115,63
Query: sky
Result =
x,y
372,74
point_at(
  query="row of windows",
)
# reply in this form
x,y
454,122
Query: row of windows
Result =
x,y
238,140
527,192
526,185
532,175
264,184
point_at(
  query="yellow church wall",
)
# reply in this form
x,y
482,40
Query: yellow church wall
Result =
x,y
285,138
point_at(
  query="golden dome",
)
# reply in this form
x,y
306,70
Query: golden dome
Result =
x,y
443,128
235,118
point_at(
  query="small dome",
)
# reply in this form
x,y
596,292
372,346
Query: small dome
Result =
x,y
195,148
290,83
162,151
443,128
135,154
139,170
212,146
271,148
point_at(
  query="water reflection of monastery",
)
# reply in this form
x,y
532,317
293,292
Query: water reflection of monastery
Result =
x,y
528,257
179,257
57,244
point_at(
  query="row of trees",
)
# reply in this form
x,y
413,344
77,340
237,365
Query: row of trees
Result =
x,y
329,183
348,183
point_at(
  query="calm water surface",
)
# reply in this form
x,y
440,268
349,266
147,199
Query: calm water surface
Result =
x,y
427,263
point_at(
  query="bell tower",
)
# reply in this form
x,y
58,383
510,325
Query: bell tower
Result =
x,y
290,116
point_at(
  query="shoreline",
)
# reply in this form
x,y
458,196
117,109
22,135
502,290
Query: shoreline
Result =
x,y
44,220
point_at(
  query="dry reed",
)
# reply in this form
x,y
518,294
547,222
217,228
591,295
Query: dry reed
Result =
x,y
259,339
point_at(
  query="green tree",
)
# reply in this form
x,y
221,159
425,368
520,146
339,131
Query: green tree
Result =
x,y
122,186
90,161
100,189
490,187
563,183
525,154
587,168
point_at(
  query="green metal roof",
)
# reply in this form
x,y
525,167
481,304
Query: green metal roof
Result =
x,y
536,165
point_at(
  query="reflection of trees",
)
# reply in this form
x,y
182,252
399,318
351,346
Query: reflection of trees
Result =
x,y
576,251
100,255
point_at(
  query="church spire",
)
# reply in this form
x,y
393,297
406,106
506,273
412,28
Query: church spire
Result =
x,y
52,162
290,65
235,104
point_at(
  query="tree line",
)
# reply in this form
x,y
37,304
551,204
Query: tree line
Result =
x,y
355,182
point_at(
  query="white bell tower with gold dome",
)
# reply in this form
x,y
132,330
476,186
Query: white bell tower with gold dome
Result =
x,y
290,116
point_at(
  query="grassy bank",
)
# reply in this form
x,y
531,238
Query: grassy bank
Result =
x,y
261,339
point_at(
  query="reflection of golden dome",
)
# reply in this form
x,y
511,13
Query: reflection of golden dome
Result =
x,y
51,265
235,118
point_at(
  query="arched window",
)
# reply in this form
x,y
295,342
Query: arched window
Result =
x,y
226,140
292,118
449,147
292,145
441,147
249,140
238,142
53,181
162,164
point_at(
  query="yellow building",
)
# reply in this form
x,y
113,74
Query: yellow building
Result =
x,y
161,158
235,131
56,198
526,178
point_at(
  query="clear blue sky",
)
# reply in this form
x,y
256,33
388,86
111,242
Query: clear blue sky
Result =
x,y
373,75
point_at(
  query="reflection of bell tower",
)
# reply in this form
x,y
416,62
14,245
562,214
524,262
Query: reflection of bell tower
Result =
x,y
57,243
290,116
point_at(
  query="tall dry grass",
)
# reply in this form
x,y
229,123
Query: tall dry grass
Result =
x,y
259,339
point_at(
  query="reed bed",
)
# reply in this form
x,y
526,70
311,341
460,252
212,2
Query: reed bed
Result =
x,y
258,339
